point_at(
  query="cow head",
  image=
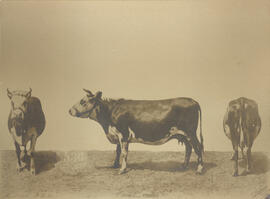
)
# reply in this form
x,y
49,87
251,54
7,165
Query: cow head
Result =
x,y
19,103
87,106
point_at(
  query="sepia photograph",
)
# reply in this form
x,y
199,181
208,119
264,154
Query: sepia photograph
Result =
x,y
130,99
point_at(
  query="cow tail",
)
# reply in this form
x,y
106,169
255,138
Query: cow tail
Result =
x,y
201,136
242,109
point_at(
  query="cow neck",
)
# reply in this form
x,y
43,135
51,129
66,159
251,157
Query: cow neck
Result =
x,y
104,113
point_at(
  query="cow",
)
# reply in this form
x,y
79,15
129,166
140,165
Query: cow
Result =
x,y
26,122
152,122
242,125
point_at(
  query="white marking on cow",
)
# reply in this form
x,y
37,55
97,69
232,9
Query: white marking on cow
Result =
x,y
113,135
175,131
199,169
242,141
16,138
131,135
227,131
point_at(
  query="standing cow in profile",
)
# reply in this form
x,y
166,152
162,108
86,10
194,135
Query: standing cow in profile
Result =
x,y
242,125
153,122
26,122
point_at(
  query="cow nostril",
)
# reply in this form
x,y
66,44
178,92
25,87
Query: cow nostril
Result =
x,y
71,112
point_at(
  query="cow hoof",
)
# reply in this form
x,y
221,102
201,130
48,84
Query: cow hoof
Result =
x,y
122,171
19,169
33,172
235,174
199,170
184,167
245,172
115,166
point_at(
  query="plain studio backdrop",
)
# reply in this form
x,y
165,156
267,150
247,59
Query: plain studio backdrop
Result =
x,y
212,51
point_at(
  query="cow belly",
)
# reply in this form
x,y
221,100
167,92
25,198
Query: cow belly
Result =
x,y
158,142
166,138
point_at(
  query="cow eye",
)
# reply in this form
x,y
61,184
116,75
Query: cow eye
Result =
x,y
24,104
82,102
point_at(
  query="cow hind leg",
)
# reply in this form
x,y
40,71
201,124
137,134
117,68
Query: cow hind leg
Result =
x,y
188,153
235,148
248,161
198,150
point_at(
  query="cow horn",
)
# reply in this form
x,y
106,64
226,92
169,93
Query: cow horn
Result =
x,y
89,92
29,92
9,93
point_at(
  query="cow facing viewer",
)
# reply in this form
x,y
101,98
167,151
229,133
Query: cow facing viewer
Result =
x,y
151,122
242,125
26,122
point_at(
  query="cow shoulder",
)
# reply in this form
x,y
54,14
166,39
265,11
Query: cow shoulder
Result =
x,y
119,112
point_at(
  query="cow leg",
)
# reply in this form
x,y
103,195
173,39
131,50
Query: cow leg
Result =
x,y
124,153
31,154
243,153
18,152
117,158
248,160
233,156
23,157
235,148
198,150
188,153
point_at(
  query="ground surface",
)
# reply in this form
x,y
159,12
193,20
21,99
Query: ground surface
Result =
x,y
150,175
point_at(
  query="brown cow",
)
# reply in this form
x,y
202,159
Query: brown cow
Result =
x,y
153,122
26,122
242,125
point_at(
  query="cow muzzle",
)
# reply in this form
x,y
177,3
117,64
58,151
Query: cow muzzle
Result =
x,y
73,112
18,114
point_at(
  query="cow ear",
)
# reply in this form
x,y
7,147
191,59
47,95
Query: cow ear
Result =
x,y
9,94
98,95
89,93
29,93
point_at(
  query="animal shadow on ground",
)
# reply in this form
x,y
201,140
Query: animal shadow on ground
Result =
x,y
45,160
259,163
171,166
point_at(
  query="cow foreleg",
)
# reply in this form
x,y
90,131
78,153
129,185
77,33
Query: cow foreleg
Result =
x,y
30,153
124,153
18,152
117,158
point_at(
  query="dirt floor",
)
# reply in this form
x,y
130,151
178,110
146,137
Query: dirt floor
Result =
x,y
88,174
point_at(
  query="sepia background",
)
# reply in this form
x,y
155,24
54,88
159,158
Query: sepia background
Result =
x,y
212,51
